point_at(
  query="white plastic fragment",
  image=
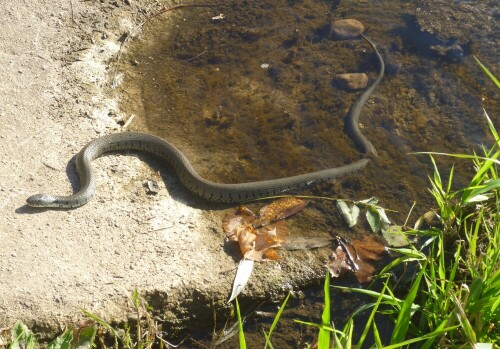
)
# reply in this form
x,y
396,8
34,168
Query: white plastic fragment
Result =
x,y
243,273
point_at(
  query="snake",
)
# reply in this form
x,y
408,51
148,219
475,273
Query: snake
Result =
x,y
190,179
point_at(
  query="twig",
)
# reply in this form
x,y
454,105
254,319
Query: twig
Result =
x,y
129,121
198,55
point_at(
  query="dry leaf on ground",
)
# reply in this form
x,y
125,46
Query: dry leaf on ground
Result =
x,y
259,235
338,263
279,209
357,256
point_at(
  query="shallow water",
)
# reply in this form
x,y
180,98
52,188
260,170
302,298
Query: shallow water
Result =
x,y
250,96
245,91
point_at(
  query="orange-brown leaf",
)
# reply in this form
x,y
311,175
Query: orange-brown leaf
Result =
x,y
246,239
279,209
267,239
368,251
244,211
365,271
270,255
258,238
232,223
369,248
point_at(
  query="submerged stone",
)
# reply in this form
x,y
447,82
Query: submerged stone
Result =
x,y
352,81
344,29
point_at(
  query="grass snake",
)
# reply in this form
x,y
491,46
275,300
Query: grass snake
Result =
x,y
211,191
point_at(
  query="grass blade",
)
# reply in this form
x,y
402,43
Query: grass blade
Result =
x,y
491,126
241,334
376,335
492,77
371,318
480,189
276,319
460,314
324,335
459,156
101,322
105,325
268,340
393,301
421,338
403,320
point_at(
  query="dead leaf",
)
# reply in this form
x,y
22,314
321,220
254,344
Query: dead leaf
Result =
x,y
365,272
246,239
262,248
245,211
256,236
338,263
356,256
276,232
231,224
255,244
368,251
368,248
279,209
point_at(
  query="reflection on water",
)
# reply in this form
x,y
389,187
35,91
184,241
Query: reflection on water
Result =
x,y
245,90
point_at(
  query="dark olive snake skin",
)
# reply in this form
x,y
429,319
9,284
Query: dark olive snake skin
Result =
x,y
210,191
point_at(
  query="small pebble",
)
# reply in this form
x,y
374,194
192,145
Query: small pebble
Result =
x,y
152,187
352,81
344,29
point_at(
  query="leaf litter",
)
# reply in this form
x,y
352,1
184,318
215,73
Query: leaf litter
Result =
x,y
357,256
259,235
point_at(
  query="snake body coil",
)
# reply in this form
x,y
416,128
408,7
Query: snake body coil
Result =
x,y
211,191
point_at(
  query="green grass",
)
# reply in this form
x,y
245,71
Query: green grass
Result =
x,y
453,301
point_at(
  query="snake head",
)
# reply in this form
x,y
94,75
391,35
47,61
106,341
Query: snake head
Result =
x,y
42,200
